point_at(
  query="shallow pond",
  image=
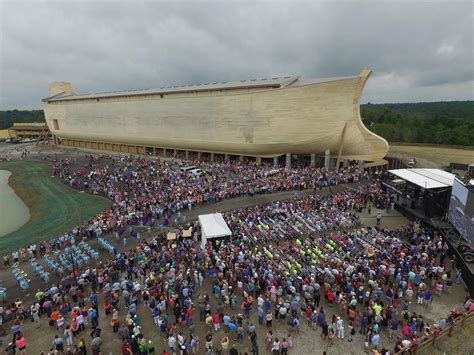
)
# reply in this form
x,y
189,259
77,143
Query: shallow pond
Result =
x,y
13,212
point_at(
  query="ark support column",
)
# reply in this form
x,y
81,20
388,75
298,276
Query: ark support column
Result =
x,y
361,165
288,160
327,159
212,156
275,161
226,157
187,154
313,160
258,160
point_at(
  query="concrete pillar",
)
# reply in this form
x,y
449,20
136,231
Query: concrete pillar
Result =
x,y
164,152
258,160
241,158
212,156
275,161
288,160
345,163
313,160
187,154
199,155
226,157
154,151
361,164
327,159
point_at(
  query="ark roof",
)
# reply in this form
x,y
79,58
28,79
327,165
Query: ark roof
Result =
x,y
279,82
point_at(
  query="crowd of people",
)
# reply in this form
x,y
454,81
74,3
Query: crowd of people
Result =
x,y
306,261
155,189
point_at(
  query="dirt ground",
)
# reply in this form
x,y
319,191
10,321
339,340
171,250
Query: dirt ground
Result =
x,y
433,156
307,341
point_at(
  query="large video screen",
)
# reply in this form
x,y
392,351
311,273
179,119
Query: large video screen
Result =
x,y
460,217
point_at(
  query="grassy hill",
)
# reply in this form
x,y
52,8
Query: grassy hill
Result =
x,y
55,208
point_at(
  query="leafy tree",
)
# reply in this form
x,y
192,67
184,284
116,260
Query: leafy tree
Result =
x,y
7,118
425,122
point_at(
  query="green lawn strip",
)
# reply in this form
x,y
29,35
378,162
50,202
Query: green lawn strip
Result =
x,y
55,208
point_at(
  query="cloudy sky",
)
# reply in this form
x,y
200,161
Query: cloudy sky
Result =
x,y
418,50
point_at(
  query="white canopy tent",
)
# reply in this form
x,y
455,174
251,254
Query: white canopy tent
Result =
x,y
426,178
212,226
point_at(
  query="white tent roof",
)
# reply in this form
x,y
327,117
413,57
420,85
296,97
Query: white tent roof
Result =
x,y
426,178
213,225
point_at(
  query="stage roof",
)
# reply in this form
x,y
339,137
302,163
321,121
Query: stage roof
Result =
x,y
426,178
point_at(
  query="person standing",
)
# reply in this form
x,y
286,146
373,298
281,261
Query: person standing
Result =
x,y
276,347
379,218
35,316
340,328
20,343
126,349
58,343
351,331
95,345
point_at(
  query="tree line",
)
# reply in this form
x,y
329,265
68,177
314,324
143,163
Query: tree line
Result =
x,y
425,122
7,118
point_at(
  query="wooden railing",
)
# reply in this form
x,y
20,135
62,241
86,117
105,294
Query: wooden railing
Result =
x,y
432,339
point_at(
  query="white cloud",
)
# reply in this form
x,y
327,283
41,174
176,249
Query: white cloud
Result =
x,y
417,50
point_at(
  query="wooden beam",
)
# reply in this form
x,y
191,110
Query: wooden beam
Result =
x,y
341,145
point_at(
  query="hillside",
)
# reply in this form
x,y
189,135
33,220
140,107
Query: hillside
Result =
x,y
449,123
7,118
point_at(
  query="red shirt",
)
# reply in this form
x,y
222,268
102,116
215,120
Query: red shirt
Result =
x,y
330,296
126,350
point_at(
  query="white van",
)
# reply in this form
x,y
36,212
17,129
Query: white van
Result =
x,y
188,168
197,172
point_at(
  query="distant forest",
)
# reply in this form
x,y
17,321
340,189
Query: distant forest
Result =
x,y
449,122
425,122
7,118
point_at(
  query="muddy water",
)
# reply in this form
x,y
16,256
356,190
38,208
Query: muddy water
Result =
x,y
13,212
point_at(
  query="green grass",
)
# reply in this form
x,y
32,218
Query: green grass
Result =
x,y
55,208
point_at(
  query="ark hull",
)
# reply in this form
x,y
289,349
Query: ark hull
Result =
x,y
300,118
